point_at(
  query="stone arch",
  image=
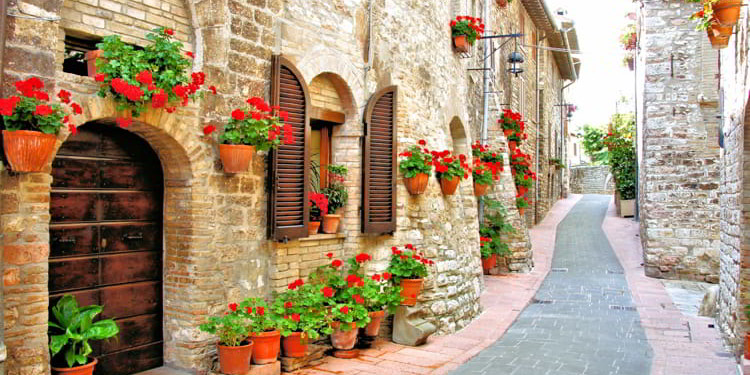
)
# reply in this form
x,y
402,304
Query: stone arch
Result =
x,y
460,136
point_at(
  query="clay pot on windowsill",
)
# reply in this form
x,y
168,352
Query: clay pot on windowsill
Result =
x,y
28,150
373,328
235,360
293,345
410,290
236,158
344,340
86,369
449,186
461,43
266,346
331,223
313,227
727,12
418,184
91,57
489,263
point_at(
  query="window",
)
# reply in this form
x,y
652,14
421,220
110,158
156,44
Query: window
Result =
x,y
75,54
320,152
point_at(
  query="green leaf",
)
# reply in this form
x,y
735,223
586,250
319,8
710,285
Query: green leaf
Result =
x,y
56,343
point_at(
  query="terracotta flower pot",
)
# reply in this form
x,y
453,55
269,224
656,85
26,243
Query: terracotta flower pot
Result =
x,y
747,345
91,57
293,346
512,145
480,190
312,227
410,289
266,347
507,132
27,150
449,186
461,43
727,12
631,64
489,263
235,360
331,223
521,210
719,35
502,3
236,158
86,369
418,184
373,327
343,340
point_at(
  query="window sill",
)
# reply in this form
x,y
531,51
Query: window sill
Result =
x,y
323,236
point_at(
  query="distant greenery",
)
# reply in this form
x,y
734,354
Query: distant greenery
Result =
x,y
593,144
622,154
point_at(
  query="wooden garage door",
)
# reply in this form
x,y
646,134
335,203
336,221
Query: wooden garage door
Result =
x,y
106,240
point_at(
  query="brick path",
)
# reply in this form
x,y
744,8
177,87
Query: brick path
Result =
x,y
583,320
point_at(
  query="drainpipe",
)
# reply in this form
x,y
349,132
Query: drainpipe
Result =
x,y
538,114
485,91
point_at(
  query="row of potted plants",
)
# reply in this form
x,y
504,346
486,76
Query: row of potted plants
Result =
x,y
520,163
717,18
337,299
466,30
325,204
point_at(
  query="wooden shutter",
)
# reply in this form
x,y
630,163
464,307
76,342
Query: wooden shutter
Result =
x,y
379,169
290,172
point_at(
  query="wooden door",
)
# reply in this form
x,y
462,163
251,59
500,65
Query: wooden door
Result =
x,y
106,240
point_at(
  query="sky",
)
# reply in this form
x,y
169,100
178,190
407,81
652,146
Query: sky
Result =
x,y
603,79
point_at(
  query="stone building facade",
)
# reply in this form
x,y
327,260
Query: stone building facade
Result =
x,y
678,151
215,242
591,179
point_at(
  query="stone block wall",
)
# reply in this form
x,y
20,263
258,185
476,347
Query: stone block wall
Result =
x,y
679,173
594,179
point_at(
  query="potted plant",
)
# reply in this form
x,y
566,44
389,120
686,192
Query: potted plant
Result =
x,y
523,177
629,61
408,268
522,203
622,162
337,197
318,208
157,76
511,122
70,332
482,175
234,347
304,317
722,12
489,257
466,30
263,327
31,124
416,168
747,334
491,233
503,3
450,170
346,318
515,140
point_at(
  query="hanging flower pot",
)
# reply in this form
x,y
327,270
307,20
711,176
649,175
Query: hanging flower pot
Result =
x,y
512,145
418,184
87,369
719,35
727,12
91,57
449,186
507,132
313,227
343,340
236,158
521,211
293,346
373,327
27,150
747,345
502,3
480,189
266,347
410,290
489,263
235,360
331,223
461,43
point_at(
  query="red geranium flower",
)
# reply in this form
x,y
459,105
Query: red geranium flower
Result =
x,y
344,310
73,129
295,317
208,129
124,122
144,77
213,89
100,77
76,108
336,263
233,307
42,110
362,257
249,310
238,114
386,276
260,310
190,55
358,299
64,96
288,304
8,105
329,255
169,31
376,277
327,292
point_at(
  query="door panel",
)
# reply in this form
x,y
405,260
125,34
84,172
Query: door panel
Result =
x,y
106,240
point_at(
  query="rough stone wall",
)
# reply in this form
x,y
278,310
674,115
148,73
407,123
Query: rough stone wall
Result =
x,y
679,196
735,184
591,180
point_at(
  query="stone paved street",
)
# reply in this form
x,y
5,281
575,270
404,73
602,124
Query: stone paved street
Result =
x,y
582,319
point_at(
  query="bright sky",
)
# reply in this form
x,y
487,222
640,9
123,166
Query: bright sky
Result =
x,y
604,79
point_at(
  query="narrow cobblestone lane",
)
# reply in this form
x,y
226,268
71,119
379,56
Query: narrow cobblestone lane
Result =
x,y
582,319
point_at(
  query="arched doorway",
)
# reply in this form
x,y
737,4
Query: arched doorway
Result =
x,y
106,240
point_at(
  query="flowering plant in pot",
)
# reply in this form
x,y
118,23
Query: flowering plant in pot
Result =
x,y
491,158
318,208
70,332
482,175
515,140
719,12
31,124
337,197
416,167
522,203
466,30
304,317
493,230
156,76
408,268
511,122
489,258
523,177
257,128
346,317
264,324
450,170
235,349
629,38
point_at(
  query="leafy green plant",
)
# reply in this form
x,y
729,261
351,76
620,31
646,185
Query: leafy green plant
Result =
x,y
350,313
622,154
418,160
522,202
593,144
628,38
510,120
409,263
376,292
303,309
472,27
705,16
74,326
262,319
448,166
33,111
489,158
481,173
232,326
495,227
336,192
260,125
